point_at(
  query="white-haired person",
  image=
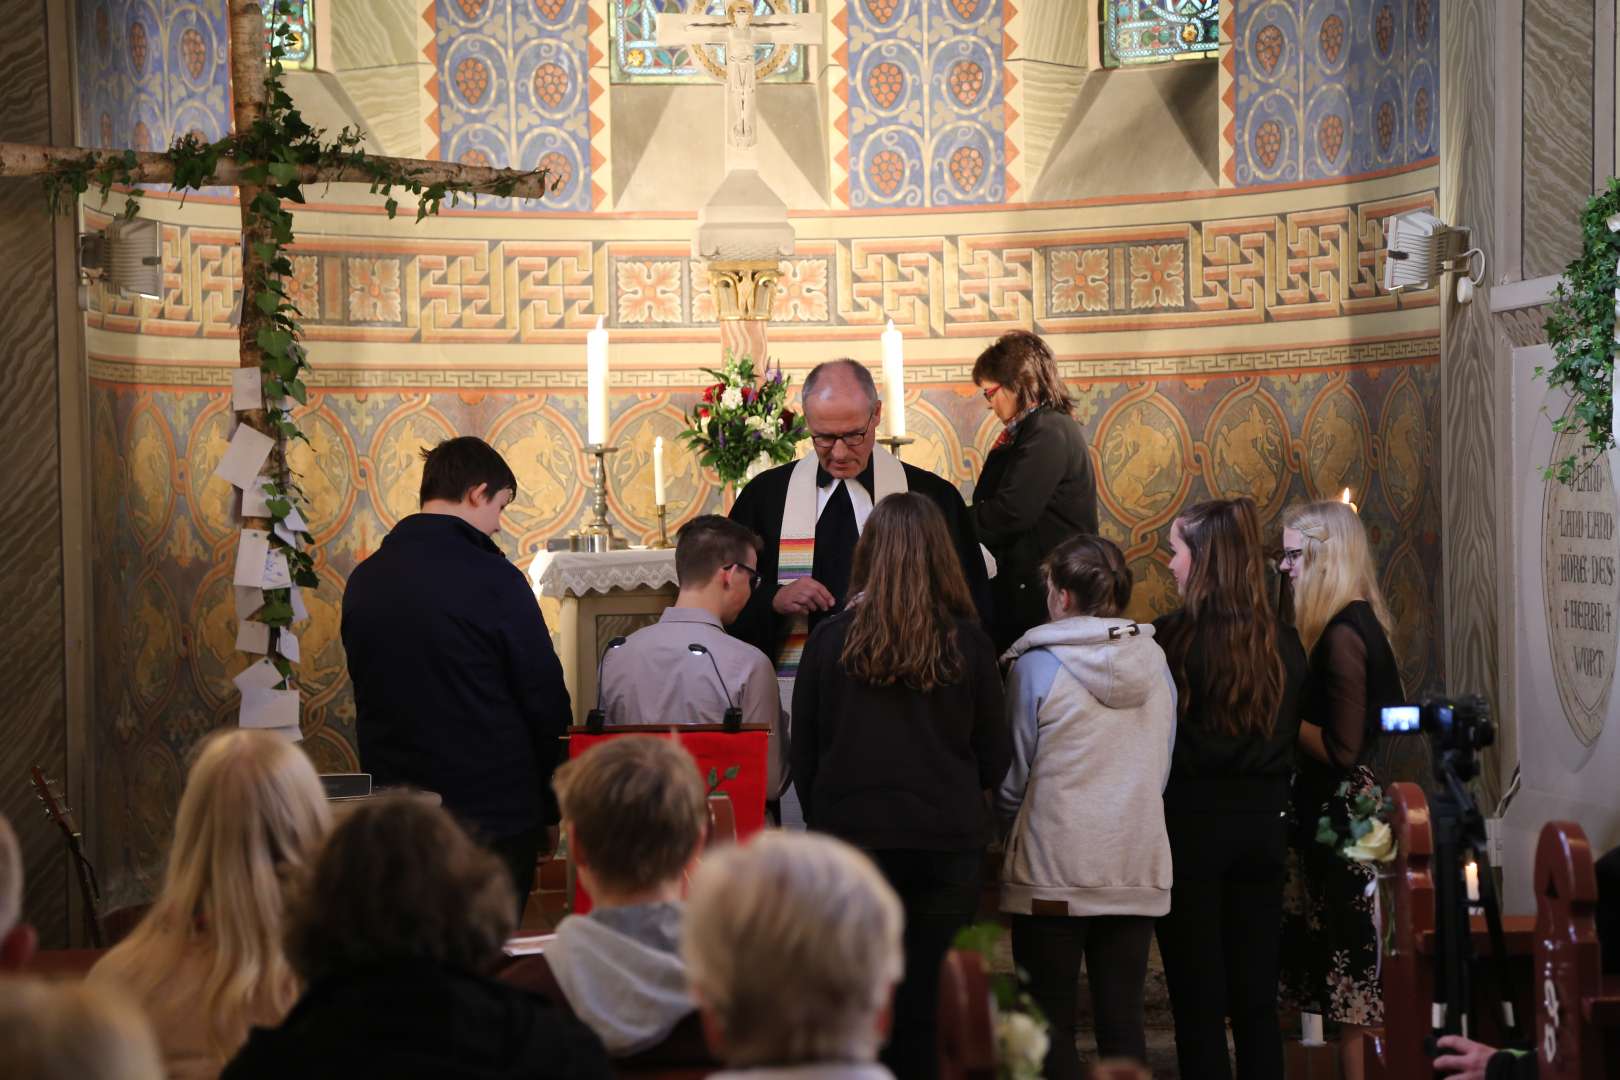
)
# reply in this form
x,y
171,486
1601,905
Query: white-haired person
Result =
x,y
17,938
61,1030
206,963
1330,945
792,944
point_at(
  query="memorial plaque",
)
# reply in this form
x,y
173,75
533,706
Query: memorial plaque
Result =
x,y
1578,550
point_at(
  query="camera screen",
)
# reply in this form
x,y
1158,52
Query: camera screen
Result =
x,y
1402,719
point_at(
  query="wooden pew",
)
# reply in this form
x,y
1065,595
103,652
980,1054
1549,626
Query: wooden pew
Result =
x,y
1396,1049
1577,1007
967,1027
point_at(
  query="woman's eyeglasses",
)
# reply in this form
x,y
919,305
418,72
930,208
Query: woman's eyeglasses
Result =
x,y
990,393
1290,556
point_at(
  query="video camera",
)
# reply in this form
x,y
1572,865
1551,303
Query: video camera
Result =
x,y
1463,725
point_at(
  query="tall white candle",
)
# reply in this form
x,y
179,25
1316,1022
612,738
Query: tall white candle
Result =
x,y
894,381
1471,876
596,369
658,471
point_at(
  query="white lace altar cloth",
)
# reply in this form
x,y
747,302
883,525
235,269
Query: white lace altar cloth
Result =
x,y
575,573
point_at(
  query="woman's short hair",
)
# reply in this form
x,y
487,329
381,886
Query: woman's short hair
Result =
x,y
1093,571
1023,363
252,816
802,912
400,880
74,1031
638,807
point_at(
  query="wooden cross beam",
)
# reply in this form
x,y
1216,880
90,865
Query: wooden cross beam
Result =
x,y
247,161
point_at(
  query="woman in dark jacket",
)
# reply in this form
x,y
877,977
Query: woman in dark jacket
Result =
x,y
1037,487
1329,936
898,734
393,936
1239,675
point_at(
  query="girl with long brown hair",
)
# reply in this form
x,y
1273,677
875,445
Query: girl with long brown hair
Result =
x,y
1238,673
898,734
1332,946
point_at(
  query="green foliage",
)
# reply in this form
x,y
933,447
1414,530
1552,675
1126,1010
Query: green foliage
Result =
x,y
1580,328
715,777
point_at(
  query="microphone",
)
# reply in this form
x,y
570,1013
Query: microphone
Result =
x,y
733,720
596,717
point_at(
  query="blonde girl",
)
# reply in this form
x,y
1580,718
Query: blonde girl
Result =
x,y
1329,940
206,962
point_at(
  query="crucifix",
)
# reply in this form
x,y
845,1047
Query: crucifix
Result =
x,y
740,32
267,170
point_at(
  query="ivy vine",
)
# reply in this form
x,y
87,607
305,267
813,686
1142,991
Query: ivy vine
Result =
x,y
1580,328
277,156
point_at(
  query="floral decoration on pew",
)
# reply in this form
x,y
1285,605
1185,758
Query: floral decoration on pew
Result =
x,y
1359,831
742,421
1021,1027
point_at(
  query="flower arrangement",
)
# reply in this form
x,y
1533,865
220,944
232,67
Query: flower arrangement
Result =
x,y
1360,832
742,421
1021,1027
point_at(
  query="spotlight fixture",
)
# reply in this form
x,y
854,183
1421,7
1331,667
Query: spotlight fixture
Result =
x,y
1422,249
127,255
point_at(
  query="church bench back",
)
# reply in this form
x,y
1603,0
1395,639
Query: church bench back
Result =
x,y
1577,1013
967,1035
1396,1050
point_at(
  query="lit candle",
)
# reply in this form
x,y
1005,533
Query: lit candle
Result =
x,y
894,381
596,368
658,471
1345,498
1471,876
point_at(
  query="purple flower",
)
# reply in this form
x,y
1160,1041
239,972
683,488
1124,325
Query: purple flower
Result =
x,y
776,376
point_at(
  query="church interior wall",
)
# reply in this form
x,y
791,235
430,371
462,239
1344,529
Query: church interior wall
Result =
x,y
1223,340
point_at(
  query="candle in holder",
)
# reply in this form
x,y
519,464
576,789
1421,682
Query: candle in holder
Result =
x,y
894,381
596,367
1345,498
658,471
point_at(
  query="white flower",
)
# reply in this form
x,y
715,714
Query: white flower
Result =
x,y
756,423
732,398
1377,844
1023,1043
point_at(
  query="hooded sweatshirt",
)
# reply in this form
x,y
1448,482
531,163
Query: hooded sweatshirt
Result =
x,y
1092,708
621,971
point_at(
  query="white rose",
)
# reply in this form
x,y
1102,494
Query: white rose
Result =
x,y
1377,844
1023,1041
756,423
732,398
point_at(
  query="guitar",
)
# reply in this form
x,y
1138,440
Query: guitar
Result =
x,y
61,815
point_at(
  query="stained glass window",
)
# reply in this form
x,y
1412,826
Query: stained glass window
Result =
x,y
1150,31
301,19
638,58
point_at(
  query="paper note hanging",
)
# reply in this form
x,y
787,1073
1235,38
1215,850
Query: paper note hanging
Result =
x,y
252,637
269,709
251,552
254,502
287,644
249,600
244,457
300,609
276,573
259,676
247,389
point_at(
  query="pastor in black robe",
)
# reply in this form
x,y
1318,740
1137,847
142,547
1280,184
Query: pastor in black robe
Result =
x,y
761,506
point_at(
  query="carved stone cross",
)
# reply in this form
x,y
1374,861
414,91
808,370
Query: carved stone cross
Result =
x,y
740,33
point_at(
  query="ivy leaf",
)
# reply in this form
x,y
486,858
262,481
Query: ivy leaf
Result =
x,y
297,391
274,342
266,302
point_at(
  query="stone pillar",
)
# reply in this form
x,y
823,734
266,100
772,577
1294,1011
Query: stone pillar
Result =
x,y
743,292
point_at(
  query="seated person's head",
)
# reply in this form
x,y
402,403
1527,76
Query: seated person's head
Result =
x,y
73,1031
717,558
399,882
468,478
251,819
17,938
636,811
1086,575
792,942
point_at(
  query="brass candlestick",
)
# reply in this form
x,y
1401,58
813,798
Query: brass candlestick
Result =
x,y
663,528
597,534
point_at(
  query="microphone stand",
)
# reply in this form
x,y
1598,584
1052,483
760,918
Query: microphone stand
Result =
x,y
734,716
596,717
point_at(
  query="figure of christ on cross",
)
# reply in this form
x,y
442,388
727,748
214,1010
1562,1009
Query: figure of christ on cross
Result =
x,y
739,33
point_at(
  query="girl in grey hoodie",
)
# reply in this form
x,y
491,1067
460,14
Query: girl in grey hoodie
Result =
x,y
1092,708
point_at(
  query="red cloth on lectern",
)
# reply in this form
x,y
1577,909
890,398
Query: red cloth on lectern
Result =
x,y
714,750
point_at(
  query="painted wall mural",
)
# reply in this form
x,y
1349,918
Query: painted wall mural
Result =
x,y
1329,88
152,70
163,528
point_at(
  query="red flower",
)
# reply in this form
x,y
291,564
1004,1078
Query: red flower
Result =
x,y
708,395
701,411
748,393
787,418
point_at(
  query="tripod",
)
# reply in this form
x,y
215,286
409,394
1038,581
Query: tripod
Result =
x,y
1459,830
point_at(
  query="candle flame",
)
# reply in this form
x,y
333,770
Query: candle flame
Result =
x,y
891,326
1345,498
599,322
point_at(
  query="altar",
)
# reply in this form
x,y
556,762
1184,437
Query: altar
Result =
x,y
603,595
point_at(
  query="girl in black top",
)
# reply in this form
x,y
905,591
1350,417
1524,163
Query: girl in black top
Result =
x,y
1329,938
898,734
1238,675
1037,487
